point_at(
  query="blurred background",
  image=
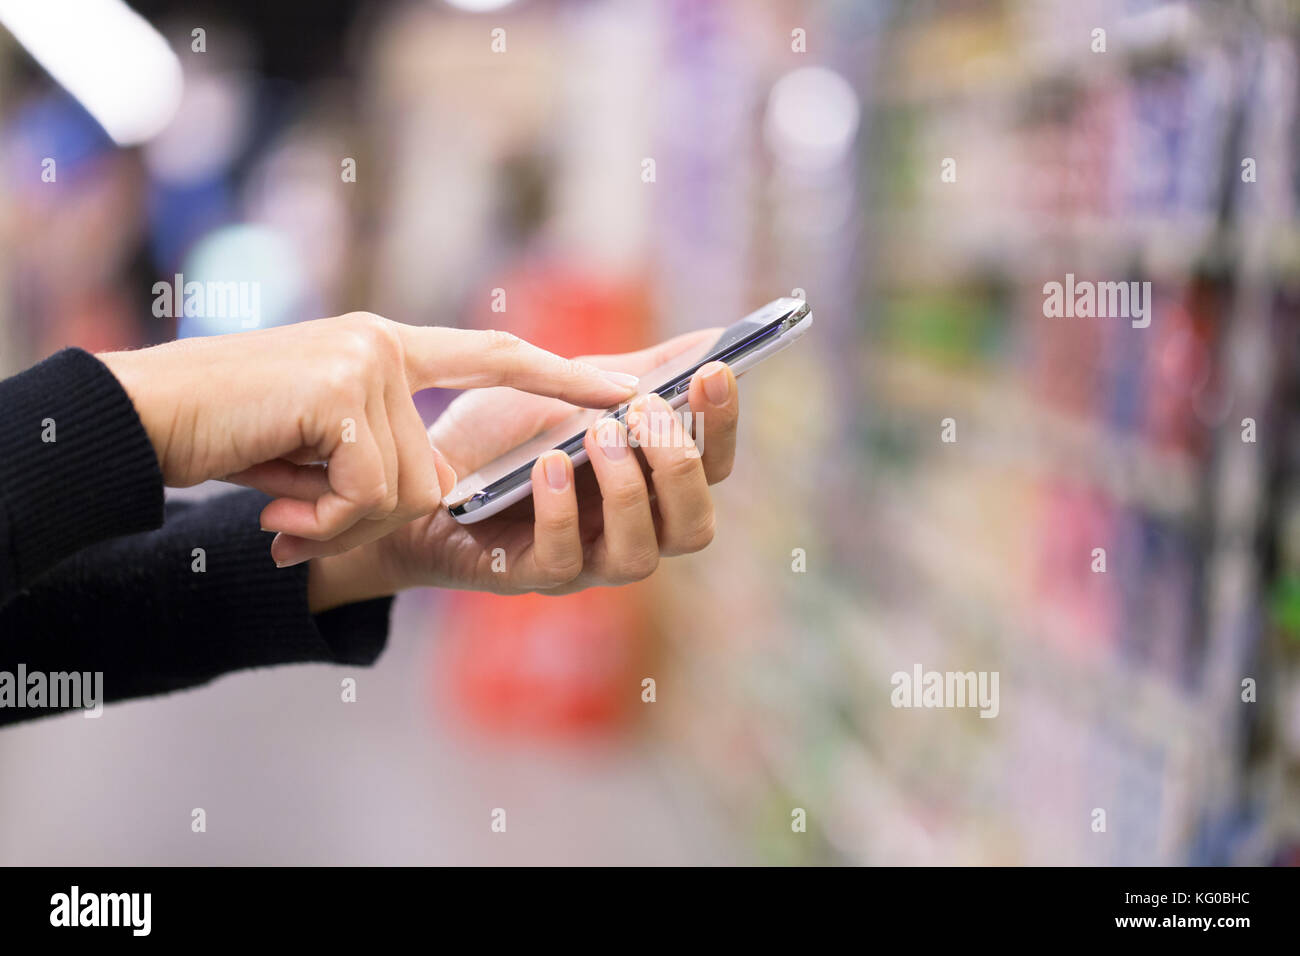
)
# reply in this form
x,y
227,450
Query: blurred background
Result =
x,y
625,170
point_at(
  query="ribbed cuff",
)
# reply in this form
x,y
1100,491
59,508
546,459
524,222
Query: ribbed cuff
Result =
x,y
251,613
76,466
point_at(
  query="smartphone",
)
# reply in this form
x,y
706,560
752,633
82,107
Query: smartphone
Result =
x,y
508,478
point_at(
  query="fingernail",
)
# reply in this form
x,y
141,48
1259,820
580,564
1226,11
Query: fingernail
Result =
x,y
281,562
444,469
557,472
621,379
716,387
610,438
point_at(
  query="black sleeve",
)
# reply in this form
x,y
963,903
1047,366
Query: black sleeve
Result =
x,y
153,611
76,466
177,607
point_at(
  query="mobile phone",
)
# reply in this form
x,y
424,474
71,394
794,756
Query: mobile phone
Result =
x,y
508,478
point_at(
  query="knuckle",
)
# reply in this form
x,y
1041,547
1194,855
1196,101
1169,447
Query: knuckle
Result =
x,y
562,527
506,343
507,351
367,323
626,496
417,504
680,467
701,536
387,343
637,566
560,565
370,337
560,570
573,369
341,379
374,499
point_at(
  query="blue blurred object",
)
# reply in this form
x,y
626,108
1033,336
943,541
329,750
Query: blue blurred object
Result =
x,y
54,125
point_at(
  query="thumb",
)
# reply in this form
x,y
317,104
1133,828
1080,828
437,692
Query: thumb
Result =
x,y
469,358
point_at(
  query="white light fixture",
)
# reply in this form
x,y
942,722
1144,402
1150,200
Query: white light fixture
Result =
x,y
812,117
106,55
479,6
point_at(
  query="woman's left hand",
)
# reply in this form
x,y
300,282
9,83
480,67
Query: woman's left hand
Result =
x,y
605,528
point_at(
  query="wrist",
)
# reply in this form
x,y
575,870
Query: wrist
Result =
x,y
157,418
356,575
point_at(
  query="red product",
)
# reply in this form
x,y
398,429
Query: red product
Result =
x,y
536,665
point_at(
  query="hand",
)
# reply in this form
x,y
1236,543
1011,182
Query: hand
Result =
x,y
605,528
319,415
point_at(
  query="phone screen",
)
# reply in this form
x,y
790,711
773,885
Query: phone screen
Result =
x,y
513,468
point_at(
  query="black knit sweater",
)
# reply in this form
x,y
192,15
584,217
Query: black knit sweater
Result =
x,y
97,575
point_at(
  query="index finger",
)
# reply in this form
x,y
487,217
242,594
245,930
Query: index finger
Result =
x,y
470,358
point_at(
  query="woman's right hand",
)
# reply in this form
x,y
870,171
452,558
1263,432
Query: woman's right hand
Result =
x,y
319,415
